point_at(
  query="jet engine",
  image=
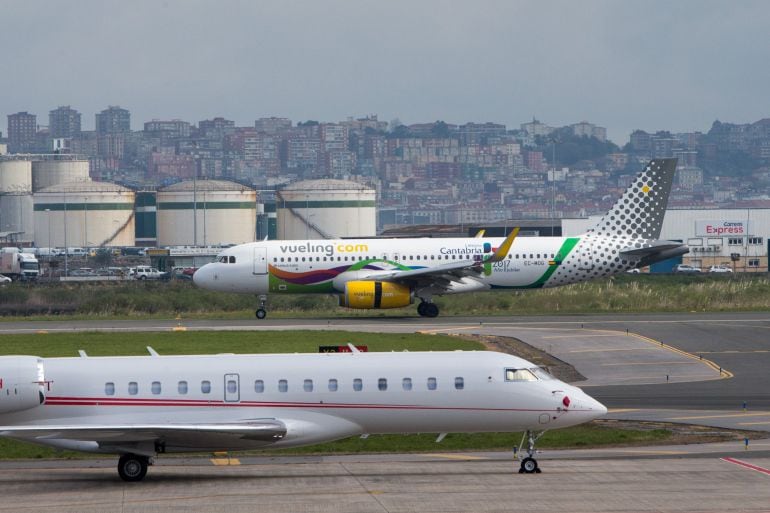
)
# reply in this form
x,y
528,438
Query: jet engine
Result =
x,y
375,294
22,380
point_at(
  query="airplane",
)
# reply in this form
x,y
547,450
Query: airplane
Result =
x,y
142,406
391,273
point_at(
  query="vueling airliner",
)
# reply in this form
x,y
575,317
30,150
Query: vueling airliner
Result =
x,y
141,406
392,273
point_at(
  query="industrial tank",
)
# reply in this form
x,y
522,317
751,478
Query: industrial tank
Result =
x,y
326,208
46,173
86,214
206,213
16,199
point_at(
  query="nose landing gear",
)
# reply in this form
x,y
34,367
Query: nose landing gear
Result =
x,y
261,313
529,464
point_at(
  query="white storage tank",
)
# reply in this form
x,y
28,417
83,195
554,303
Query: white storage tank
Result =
x,y
16,213
87,214
46,173
320,209
206,213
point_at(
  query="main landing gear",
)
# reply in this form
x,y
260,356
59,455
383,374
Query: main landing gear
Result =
x,y
261,313
133,467
427,309
529,464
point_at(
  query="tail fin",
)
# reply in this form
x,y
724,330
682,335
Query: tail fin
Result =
x,y
639,212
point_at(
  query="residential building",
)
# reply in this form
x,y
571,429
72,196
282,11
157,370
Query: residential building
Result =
x,y
22,128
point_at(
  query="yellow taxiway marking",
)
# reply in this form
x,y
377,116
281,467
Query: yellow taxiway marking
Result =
x,y
223,462
631,451
622,410
584,334
457,456
602,350
725,416
754,423
648,363
42,332
439,330
738,352
178,328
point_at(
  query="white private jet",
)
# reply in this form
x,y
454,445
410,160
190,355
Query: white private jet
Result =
x,y
391,273
140,406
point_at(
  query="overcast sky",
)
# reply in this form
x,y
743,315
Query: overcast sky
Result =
x,y
653,65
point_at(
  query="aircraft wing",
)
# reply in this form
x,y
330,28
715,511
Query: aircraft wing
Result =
x,y
444,274
266,430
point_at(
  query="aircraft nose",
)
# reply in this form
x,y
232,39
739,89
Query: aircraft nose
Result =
x,y
202,277
592,408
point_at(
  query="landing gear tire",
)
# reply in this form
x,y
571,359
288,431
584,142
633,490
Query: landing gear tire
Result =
x,y
426,309
261,313
132,467
529,466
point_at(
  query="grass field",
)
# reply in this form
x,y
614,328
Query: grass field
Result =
x,y
110,344
624,293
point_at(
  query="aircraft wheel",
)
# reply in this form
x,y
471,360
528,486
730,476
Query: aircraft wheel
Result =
x,y
529,466
261,313
430,310
421,309
132,467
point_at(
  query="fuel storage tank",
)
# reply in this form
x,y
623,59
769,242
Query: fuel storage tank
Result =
x,y
16,214
46,173
206,213
86,214
326,208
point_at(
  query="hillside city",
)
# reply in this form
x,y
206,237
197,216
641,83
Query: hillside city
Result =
x,y
428,173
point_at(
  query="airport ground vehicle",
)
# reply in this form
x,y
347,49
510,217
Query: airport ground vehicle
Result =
x,y
144,272
686,269
720,269
4,279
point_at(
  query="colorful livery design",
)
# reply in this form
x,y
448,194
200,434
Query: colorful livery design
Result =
x,y
393,273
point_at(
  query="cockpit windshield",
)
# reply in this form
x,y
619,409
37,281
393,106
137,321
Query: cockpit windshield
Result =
x,y
519,375
541,373
225,259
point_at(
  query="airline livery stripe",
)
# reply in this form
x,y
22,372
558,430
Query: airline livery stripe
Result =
x,y
254,404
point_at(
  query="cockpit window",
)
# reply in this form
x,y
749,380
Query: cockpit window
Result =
x,y
223,259
232,259
519,375
541,373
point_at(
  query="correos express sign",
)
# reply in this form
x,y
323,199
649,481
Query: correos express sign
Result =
x,y
722,228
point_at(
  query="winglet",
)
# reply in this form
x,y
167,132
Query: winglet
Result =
x,y
152,351
480,233
502,251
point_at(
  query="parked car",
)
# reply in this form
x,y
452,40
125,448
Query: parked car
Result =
x,y
686,269
720,269
144,272
4,279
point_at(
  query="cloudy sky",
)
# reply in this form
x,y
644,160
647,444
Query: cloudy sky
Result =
x,y
654,64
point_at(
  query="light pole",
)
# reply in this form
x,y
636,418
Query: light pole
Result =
x,y
85,222
66,249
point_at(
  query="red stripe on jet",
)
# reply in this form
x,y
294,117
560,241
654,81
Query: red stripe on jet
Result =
x,y
747,465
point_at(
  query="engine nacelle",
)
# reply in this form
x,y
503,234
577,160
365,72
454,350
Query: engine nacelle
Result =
x,y
22,380
376,294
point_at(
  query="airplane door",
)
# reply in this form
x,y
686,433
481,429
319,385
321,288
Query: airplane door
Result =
x,y
232,388
585,253
260,260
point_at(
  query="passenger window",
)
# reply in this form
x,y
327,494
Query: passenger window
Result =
x,y
281,259
382,384
155,388
283,385
406,384
232,386
232,259
133,388
109,388
206,387
459,383
519,375
333,385
431,383
259,386
307,386
358,385
182,387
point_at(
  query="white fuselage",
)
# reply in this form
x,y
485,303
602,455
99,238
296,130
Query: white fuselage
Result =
x,y
323,266
318,397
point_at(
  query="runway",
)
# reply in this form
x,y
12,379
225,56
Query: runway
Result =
x,y
709,478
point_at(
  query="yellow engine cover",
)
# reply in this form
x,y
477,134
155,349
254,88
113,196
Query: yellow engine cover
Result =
x,y
375,294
